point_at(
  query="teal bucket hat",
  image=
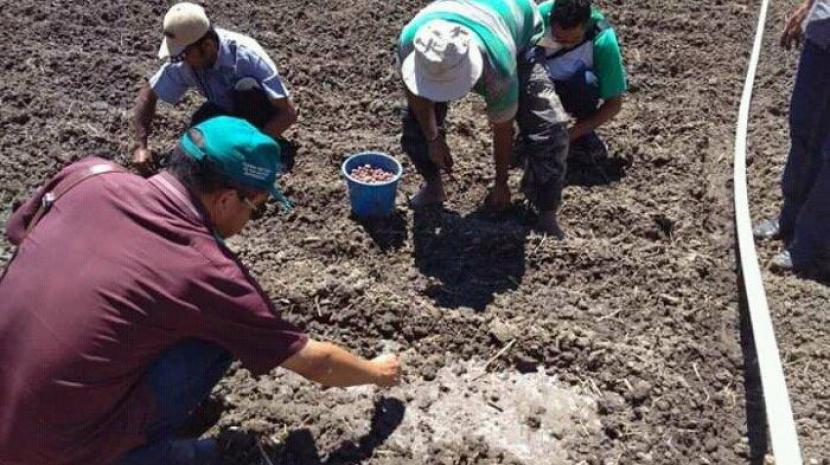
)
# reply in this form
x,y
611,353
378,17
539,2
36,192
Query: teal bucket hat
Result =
x,y
238,150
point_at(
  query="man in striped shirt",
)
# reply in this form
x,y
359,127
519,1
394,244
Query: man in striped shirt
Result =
x,y
453,47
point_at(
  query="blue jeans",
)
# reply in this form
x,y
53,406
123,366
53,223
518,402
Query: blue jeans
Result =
x,y
805,214
180,379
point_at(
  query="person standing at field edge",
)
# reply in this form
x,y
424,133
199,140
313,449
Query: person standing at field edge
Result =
x,y
804,221
231,70
453,47
123,307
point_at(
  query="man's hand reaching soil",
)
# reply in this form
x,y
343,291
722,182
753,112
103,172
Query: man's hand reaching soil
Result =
x,y
439,153
388,370
333,366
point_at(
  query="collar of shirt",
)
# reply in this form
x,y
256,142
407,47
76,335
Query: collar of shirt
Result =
x,y
224,55
182,198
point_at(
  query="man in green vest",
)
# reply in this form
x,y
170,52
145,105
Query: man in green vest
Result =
x,y
453,47
582,57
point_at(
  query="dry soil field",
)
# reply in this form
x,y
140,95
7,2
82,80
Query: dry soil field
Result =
x,y
625,341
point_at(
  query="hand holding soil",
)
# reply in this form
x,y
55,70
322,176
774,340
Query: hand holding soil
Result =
x,y
439,153
792,31
388,370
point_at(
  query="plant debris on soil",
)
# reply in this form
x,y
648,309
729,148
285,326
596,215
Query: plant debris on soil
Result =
x,y
620,345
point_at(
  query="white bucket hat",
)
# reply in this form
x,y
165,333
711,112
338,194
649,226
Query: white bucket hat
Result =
x,y
446,62
184,24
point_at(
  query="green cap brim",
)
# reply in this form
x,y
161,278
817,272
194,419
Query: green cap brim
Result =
x,y
277,195
190,148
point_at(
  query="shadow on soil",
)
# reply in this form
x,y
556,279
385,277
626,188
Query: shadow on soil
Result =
x,y
816,276
300,448
471,257
597,172
387,233
756,419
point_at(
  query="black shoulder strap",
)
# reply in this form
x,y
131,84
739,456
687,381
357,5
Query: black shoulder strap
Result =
x,y
57,192
598,27
64,186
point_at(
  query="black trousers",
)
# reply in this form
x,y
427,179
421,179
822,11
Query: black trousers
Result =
x,y
254,106
542,144
579,94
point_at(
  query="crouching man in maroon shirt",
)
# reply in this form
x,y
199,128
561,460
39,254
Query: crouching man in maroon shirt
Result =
x,y
123,308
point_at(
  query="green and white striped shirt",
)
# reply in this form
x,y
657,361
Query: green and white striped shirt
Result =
x,y
503,30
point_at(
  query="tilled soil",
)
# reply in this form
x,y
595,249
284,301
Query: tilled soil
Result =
x,y
800,308
628,331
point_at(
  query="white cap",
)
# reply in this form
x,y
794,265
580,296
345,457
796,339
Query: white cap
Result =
x,y
184,24
446,62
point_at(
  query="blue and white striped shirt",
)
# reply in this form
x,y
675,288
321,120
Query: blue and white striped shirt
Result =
x,y
239,57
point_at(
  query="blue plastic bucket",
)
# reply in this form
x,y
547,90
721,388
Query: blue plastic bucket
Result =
x,y
372,200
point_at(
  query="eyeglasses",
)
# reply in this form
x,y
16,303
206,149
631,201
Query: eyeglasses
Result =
x,y
257,212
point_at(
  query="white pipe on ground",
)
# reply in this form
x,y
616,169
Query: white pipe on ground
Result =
x,y
779,413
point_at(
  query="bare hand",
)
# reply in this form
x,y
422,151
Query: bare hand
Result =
x,y
499,197
143,160
387,370
439,153
792,31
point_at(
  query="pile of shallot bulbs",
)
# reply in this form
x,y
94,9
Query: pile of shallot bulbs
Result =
x,y
371,175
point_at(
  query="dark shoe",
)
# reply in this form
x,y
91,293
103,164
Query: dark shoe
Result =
x,y
547,223
781,262
203,417
588,149
766,230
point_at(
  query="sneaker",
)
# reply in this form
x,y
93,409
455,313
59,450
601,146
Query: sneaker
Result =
x,y
781,262
767,229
